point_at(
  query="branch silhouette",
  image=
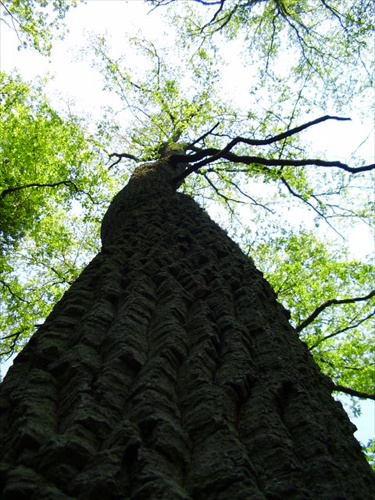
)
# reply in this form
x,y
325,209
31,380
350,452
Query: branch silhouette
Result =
x,y
202,157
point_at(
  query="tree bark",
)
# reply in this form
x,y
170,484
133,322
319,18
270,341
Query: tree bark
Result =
x,y
169,370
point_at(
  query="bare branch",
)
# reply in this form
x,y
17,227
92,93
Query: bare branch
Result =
x,y
159,3
283,135
202,157
213,20
299,196
253,200
223,21
329,303
36,184
335,13
258,160
14,21
212,2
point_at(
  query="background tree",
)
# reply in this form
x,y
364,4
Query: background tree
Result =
x,y
35,21
49,178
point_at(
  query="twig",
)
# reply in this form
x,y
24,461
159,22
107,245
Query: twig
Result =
x,y
221,195
9,288
253,200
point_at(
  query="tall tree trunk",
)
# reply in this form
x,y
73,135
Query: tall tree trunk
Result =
x,y
169,371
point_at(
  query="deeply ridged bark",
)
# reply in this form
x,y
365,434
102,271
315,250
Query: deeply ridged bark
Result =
x,y
169,370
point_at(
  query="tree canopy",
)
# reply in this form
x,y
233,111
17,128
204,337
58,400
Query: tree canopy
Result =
x,y
35,21
318,40
49,178
304,64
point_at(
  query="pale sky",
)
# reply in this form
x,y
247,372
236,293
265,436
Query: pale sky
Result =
x,y
76,80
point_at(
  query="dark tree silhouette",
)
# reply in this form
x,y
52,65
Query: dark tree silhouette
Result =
x,y
169,370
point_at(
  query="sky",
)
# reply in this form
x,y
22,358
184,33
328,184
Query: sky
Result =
x,y
75,80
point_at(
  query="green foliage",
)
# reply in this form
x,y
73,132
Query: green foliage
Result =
x,y
369,451
52,196
35,20
45,264
39,152
306,273
165,102
326,47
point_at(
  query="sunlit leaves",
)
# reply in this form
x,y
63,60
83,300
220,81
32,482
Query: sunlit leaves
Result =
x,y
53,192
35,21
164,102
369,451
306,273
40,154
324,47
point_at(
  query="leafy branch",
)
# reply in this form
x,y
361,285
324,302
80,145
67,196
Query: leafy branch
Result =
x,y
14,337
32,25
12,293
